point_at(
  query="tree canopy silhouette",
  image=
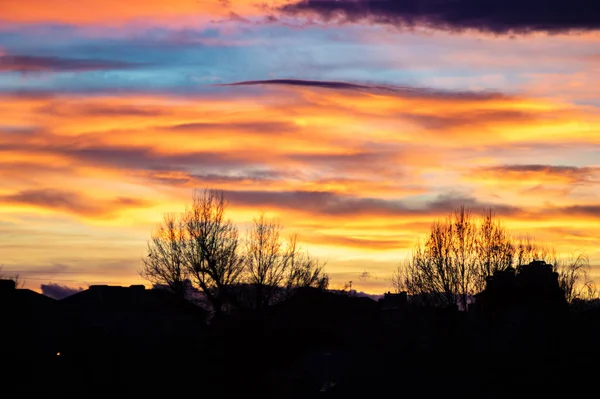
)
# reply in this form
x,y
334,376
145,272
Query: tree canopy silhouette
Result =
x,y
266,259
460,253
213,256
202,246
166,262
275,266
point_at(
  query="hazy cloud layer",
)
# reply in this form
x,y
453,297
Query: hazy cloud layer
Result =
x,y
337,205
71,202
30,63
404,91
548,173
58,291
494,16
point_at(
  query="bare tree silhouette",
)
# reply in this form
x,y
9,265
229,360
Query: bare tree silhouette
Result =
x,y
573,270
494,248
201,247
166,262
304,270
574,278
213,257
444,269
464,252
460,253
266,259
527,250
275,266
400,278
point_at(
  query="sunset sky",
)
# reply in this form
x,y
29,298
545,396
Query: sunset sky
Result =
x,y
356,123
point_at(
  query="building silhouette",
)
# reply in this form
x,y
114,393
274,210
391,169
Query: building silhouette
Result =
x,y
531,286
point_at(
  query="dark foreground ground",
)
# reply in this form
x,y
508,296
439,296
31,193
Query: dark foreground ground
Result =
x,y
314,345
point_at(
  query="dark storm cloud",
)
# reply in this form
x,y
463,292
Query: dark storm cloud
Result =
x,y
70,202
250,127
359,242
333,204
573,174
107,111
447,203
31,63
492,16
300,82
145,158
552,169
353,162
404,91
469,118
194,166
199,179
340,205
319,202
592,211
249,175
340,159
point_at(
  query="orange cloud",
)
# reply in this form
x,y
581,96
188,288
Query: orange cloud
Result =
x,y
540,174
69,202
359,172
116,11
